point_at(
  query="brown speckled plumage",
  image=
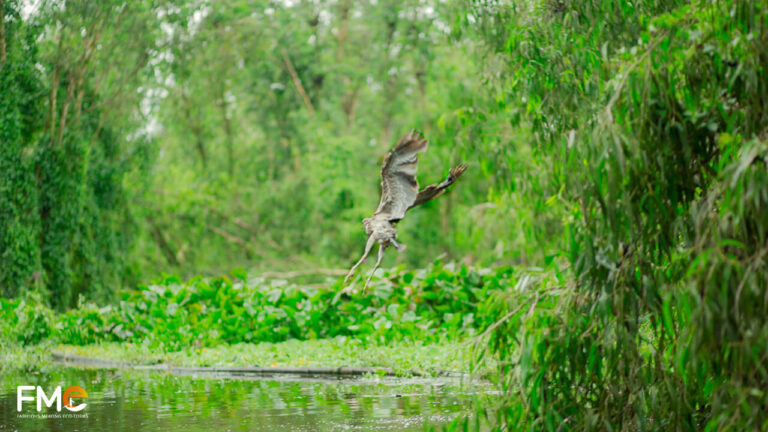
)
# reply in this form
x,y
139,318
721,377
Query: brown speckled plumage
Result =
x,y
399,193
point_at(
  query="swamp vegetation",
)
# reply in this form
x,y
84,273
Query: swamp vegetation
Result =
x,y
182,177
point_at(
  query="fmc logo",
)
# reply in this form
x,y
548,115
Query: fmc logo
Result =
x,y
56,397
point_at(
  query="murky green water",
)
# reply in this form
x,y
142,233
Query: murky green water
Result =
x,y
125,400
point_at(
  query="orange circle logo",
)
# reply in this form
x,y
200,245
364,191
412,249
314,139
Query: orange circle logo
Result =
x,y
74,391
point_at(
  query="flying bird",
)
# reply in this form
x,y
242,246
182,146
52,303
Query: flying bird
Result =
x,y
399,193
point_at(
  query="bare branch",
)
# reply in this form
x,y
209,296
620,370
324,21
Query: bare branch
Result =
x,y
162,243
237,221
297,81
229,237
233,239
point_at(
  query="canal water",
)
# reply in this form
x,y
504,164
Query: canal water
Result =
x,y
137,401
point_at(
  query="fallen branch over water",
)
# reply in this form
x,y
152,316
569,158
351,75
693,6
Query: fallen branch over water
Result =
x,y
78,360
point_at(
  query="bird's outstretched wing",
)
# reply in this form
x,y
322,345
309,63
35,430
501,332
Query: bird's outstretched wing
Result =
x,y
399,186
435,190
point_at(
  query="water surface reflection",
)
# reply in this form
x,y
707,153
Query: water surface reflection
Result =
x,y
136,401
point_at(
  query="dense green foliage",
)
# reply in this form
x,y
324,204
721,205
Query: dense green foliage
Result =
x,y
170,315
651,119
65,227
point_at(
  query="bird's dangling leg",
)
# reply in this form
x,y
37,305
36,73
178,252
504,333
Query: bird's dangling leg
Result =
x,y
378,263
368,246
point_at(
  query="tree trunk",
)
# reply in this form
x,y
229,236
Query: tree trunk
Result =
x,y
343,29
223,110
52,103
194,126
230,143
391,80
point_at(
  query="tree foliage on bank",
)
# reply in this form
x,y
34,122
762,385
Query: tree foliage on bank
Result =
x,y
652,117
68,102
